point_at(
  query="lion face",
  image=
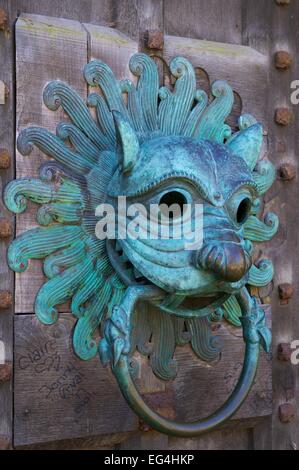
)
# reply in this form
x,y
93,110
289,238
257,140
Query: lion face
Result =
x,y
212,190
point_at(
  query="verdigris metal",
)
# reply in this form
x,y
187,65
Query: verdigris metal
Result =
x,y
155,142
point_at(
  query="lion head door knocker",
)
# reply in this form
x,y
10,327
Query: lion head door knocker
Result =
x,y
157,146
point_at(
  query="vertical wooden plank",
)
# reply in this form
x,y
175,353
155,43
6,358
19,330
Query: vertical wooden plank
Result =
x,y
7,115
46,49
284,147
212,20
79,10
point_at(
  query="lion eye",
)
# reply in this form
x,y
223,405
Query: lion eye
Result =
x,y
174,200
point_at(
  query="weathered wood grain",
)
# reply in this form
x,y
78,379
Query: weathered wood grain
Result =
x,y
46,49
213,20
200,388
245,69
57,395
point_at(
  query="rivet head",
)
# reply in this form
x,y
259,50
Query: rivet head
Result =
x,y
5,372
287,171
284,352
286,412
5,228
3,19
283,2
154,39
283,60
5,159
284,116
5,299
285,292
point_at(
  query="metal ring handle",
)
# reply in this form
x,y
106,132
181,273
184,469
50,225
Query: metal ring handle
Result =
x,y
158,422
253,326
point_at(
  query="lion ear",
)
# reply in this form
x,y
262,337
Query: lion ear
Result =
x,y
127,142
247,144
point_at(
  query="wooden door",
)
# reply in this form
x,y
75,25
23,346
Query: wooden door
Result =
x,y
60,401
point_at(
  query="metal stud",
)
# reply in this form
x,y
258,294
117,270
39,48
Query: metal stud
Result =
x,y
5,299
5,372
283,60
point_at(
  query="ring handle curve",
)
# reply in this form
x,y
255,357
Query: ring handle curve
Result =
x,y
193,429
255,333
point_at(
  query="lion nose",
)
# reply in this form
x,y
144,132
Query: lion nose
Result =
x,y
229,260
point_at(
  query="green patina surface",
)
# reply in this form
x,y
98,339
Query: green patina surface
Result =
x,y
156,142
227,51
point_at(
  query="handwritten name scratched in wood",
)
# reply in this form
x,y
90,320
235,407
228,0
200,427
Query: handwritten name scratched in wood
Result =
x,y
68,380
57,395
